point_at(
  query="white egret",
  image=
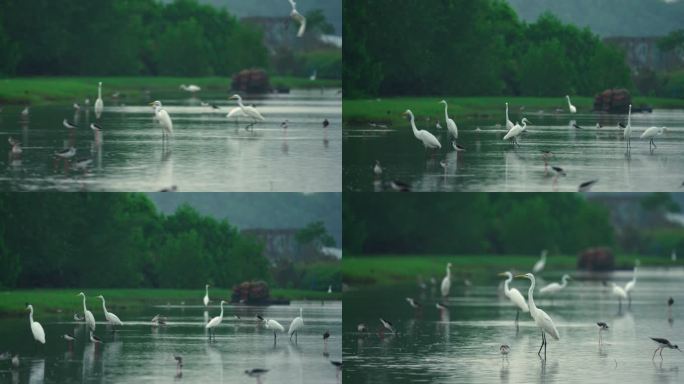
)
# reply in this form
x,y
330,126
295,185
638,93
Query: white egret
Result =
x,y
190,88
570,106
248,111
451,125
296,16
377,169
516,131
164,118
111,318
514,295
554,288
619,292
541,263
509,123
427,138
651,133
313,76
89,318
36,328
662,344
602,327
206,300
215,322
627,133
446,281
25,112
296,325
15,361
99,104
273,325
236,113
541,319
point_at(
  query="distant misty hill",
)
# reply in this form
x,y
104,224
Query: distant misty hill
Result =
x,y
262,210
332,9
610,17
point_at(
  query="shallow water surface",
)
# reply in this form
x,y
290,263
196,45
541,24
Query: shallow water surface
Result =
x,y
140,353
208,152
462,344
491,164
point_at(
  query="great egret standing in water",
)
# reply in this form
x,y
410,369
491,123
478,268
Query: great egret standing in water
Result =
x,y
451,125
570,106
89,318
164,118
627,133
446,282
514,295
516,131
272,325
99,104
651,133
206,295
620,293
36,328
296,325
296,16
215,322
427,138
509,123
540,264
112,319
554,288
248,111
541,319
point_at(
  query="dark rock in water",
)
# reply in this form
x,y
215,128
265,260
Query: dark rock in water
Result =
x,y
613,101
596,259
251,81
251,292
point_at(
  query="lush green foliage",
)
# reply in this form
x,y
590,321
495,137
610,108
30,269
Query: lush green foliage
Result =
x,y
124,37
470,47
466,223
118,240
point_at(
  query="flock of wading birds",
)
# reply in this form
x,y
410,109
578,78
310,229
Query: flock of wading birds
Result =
x,y
514,131
113,321
541,319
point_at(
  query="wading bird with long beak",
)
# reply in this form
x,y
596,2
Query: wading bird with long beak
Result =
x,y
541,319
111,318
296,325
514,296
446,281
662,344
428,139
601,327
89,318
36,329
451,125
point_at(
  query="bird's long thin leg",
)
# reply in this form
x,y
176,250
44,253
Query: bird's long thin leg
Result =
x,y
544,347
661,353
654,353
654,145
541,346
517,315
296,335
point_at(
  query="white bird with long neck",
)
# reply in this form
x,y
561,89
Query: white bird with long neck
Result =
x,y
111,318
215,322
630,285
554,288
164,118
99,104
296,325
619,292
651,134
451,125
296,16
89,318
516,131
541,319
627,133
509,123
248,111
36,328
570,106
272,325
206,300
427,138
514,295
540,264
446,282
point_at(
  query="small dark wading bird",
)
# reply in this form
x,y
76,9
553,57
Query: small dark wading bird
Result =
x,y
457,147
586,186
179,365
386,325
338,365
326,123
94,339
400,186
441,307
505,350
66,153
326,336
95,127
69,125
662,344
670,302
601,327
256,373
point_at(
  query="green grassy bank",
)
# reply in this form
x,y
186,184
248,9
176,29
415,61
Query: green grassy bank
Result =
x,y
42,90
405,269
13,303
390,109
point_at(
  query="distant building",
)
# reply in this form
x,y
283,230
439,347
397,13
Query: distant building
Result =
x,y
643,52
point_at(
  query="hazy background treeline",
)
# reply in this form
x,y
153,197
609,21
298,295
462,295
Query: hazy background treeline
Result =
x,y
123,240
471,47
510,223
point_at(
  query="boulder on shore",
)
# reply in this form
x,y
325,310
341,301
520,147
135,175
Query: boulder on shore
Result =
x,y
613,101
596,259
251,292
251,81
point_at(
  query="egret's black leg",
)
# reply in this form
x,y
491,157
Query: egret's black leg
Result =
x,y
541,346
654,353
661,353
544,347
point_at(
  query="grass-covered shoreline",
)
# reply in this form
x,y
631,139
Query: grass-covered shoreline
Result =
x,y
389,110
13,303
46,90
390,269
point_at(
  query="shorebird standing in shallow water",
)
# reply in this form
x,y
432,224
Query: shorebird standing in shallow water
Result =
x,y
662,344
602,327
504,349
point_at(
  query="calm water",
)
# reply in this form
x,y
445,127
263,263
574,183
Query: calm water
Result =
x,y
139,353
462,345
491,164
208,152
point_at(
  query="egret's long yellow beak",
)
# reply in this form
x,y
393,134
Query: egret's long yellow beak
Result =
x,y
520,277
502,274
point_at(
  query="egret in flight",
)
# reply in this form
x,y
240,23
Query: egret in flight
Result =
x,y
570,106
627,133
296,325
206,295
215,322
248,111
554,288
164,118
651,133
112,319
296,16
541,319
514,295
451,125
427,138
89,318
446,282
99,104
541,263
36,328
